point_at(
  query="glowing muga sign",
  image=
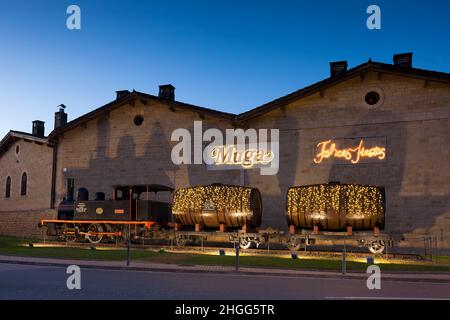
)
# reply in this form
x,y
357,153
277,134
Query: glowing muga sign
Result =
x,y
355,154
247,158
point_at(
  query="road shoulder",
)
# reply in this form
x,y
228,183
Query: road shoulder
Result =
x,y
160,267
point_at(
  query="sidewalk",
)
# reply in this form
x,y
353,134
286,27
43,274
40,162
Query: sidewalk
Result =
x,y
160,267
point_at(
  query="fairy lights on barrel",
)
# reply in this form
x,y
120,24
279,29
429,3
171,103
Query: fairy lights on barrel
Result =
x,y
213,205
335,206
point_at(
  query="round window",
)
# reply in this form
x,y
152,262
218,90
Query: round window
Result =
x,y
138,120
372,98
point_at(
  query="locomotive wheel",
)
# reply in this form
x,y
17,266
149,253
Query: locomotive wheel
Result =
x,y
108,228
69,233
245,243
91,233
180,241
377,246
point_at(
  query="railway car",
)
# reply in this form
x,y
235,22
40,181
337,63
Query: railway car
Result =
x,y
218,206
336,207
126,216
217,213
335,210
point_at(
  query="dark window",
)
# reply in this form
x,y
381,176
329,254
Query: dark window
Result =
x,y
70,189
23,185
8,187
138,120
83,194
372,98
17,149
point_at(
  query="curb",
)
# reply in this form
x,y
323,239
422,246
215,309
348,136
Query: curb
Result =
x,y
180,269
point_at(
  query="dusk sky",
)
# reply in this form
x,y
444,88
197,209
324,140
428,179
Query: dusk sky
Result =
x,y
227,55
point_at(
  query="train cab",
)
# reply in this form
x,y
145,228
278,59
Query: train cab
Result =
x,y
129,202
132,210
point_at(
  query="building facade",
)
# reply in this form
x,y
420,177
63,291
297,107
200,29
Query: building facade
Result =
x,y
378,124
26,181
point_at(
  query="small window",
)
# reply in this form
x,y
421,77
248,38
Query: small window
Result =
x,y
8,188
138,120
17,149
372,98
23,185
70,188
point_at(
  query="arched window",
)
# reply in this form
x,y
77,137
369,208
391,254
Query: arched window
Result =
x,y
8,188
23,186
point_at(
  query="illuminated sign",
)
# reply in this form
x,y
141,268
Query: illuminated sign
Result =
x,y
244,157
351,150
81,208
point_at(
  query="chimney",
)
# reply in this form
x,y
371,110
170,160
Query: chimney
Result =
x,y
121,93
337,68
403,60
38,128
167,91
60,117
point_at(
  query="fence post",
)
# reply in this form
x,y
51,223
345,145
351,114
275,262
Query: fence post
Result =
x,y
425,247
436,253
128,252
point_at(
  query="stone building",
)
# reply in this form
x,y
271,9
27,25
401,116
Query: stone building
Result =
x,y
410,119
398,108
26,181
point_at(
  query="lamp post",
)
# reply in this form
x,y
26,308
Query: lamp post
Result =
x,y
237,253
344,262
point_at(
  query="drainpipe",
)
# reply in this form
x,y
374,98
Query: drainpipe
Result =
x,y
53,191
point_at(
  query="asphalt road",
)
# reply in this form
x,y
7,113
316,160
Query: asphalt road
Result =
x,y
45,282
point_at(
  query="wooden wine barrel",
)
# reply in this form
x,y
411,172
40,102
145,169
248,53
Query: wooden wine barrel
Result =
x,y
333,207
213,205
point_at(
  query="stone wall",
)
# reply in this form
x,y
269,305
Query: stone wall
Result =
x,y
24,223
36,161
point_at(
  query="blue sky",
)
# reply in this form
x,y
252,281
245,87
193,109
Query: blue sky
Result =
x,y
227,55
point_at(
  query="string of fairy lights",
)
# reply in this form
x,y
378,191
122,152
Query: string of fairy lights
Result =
x,y
352,201
220,198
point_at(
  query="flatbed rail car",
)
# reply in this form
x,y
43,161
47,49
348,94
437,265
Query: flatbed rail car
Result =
x,y
339,211
125,216
315,214
375,243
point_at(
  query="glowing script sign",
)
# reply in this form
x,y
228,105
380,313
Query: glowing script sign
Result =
x,y
351,150
246,158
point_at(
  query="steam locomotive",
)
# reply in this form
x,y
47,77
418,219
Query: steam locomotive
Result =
x,y
326,211
127,215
